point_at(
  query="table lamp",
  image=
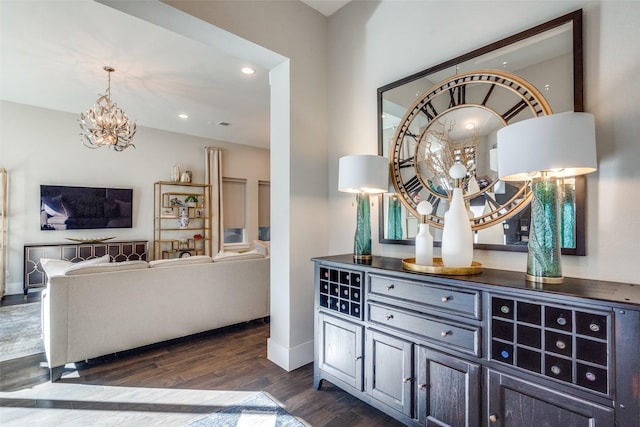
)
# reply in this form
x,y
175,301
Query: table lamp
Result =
x,y
544,150
363,175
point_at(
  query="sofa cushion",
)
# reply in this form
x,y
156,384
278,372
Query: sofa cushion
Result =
x,y
107,266
196,259
235,256
59,267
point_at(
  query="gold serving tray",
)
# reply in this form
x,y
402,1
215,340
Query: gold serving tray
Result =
x,y
439,268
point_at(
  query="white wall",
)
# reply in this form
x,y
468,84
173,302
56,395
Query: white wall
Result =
x,y
299,156
374,43
41,146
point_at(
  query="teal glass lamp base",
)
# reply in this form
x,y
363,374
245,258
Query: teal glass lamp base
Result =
x,y
544,260
362,238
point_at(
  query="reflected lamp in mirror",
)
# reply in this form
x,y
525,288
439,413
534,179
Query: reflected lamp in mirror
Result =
x,y
363,175
545,150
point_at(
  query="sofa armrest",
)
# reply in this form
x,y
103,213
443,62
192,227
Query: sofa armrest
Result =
x,y
55,322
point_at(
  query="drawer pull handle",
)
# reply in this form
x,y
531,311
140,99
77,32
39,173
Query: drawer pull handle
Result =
x,y
406,380
445,333
446,299
493,418
389,287
422,386
389,316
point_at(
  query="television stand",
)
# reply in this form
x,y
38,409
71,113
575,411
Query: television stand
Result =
x,y
34,276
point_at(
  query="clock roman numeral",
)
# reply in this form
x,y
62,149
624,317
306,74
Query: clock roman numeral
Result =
x,y
407,163
410,134
429,111
413,186
489,92
513,111
492,202
457,95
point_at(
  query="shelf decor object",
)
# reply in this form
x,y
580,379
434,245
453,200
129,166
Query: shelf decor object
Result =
x,y
545,150
175,173
105,124
363,175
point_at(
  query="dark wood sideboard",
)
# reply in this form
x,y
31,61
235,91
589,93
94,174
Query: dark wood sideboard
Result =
x,y
485,350
34,276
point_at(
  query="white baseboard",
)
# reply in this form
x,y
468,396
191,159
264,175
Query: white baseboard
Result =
x,y
290,358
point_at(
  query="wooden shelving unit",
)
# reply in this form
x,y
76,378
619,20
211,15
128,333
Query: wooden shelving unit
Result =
x,y
171,238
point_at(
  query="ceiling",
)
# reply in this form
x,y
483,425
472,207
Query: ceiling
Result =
x,y
53,52
326,7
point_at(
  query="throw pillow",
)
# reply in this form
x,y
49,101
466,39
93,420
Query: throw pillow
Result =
x,y
236,256
78,265
54,267
262,247
196,259
108,267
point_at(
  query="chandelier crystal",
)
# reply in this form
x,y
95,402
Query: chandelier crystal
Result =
x,y
106,124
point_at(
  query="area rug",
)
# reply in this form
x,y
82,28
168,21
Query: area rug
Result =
x,y
256,411
20,331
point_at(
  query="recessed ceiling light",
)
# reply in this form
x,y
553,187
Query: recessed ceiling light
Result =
x,y
248,71
183,116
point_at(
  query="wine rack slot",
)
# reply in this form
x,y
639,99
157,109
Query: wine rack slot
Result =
x,y
341,291
566,344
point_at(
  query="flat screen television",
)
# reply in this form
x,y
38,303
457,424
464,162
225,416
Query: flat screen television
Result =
x,y
69,208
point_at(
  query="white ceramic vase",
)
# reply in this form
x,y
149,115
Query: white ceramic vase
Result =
x,y
457,237
424,239
175,173
424,246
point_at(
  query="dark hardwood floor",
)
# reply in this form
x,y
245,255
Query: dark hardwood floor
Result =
x,y
229,360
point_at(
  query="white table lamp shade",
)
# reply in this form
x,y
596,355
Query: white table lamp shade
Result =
x,y
563,143
363,173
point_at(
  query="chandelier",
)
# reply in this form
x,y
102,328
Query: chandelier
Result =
x,y
106,124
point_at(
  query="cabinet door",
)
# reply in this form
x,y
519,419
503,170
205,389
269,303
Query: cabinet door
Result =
x,y
448,390
340,348
389,370
515,403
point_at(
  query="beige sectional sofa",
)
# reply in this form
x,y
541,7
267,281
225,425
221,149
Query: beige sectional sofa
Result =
x,y
101,309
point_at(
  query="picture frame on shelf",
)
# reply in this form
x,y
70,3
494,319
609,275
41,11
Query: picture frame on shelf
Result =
x,y
168,213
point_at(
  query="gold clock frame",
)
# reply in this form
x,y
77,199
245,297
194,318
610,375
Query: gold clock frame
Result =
x,y
516,99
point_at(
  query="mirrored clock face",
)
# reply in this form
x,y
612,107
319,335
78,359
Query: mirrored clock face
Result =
x,y
456,121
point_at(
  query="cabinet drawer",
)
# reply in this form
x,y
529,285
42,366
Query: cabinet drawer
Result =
x,y
459,337
445,299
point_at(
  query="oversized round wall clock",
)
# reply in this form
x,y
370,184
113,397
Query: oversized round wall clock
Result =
x,y
456,121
